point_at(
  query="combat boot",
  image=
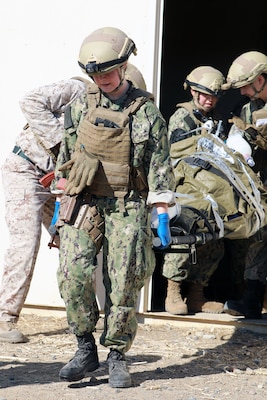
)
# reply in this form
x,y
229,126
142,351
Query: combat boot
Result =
x,y
10,333
119,376
196,301
174,303
250,305
84,360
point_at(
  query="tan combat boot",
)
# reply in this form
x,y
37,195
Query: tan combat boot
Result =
x,y
196,301
174,303
9,333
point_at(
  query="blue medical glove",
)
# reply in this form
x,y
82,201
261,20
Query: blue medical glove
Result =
x,y
163,230
52,228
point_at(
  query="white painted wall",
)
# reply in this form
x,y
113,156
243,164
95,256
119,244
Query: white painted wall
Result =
x,y
40,42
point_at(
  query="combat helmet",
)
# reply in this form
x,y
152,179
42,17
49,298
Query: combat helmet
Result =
x,y
133,74
245,69
205,79
104,50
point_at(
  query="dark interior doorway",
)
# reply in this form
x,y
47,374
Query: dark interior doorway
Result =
x,y
197,33
194,34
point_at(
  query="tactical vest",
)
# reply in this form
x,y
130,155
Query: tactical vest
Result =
x,y
191,120
106,134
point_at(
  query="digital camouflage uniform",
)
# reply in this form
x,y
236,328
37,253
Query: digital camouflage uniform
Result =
x,y
128,256
29,204
177,266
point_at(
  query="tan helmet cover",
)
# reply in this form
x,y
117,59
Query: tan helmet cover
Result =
x,y
245,69
133,74
105,50
205,79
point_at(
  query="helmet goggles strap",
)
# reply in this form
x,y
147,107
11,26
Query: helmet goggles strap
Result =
x,y
95,68
201,87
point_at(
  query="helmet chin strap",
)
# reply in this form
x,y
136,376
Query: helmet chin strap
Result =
x,y
256,92
121,73
196,100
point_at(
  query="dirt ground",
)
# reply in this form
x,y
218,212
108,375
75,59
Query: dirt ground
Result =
x,y
166,362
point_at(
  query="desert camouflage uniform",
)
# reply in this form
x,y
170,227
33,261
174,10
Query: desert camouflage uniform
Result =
x,y
177,266
128,257
28,204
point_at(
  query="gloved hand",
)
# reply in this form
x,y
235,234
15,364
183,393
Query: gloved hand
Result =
x,y
163,230
260,122
52,228
238,122
83,167
260,118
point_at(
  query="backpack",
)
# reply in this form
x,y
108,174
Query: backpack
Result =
x,y
216,189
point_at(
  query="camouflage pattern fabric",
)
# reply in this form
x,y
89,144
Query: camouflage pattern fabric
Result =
x,y
128,257
259,154
28,204
179,120
256,260
177,266
148,134
44,109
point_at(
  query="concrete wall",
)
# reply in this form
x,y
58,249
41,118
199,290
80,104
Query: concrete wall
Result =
x,y
39,42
